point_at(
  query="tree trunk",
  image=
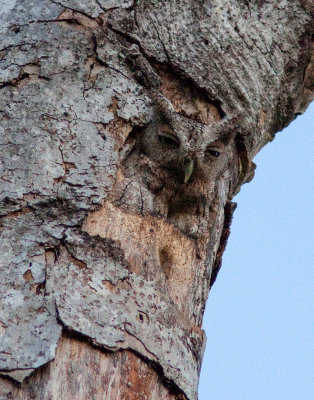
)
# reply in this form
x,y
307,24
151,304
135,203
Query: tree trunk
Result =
x,y
126,129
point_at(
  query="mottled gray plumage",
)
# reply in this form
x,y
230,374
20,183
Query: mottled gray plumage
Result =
x,y
189,150
179,160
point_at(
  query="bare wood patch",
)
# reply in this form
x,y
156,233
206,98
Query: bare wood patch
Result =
x,y
93,68
186,99
151,246
18,213
77,262
81,371
78,20
28,276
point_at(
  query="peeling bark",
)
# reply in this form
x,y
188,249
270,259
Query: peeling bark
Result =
x,y
105,236
81,371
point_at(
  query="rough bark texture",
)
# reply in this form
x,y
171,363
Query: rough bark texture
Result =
x,y
100,235
81,371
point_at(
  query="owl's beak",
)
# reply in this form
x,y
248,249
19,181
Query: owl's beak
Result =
x,y
188,169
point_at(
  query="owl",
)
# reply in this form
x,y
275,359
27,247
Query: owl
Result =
x,y
188,150
184,160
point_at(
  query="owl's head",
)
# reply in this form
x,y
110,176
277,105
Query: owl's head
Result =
x,y
189,150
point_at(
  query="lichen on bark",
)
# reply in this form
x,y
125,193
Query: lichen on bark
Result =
x,y
93,239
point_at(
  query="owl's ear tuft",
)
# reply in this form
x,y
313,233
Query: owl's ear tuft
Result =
x,y
130,142
141,68
163,105
230,127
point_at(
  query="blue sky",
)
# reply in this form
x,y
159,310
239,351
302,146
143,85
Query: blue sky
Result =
x,y
259,319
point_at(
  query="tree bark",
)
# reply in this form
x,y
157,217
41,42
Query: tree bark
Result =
x,y
110,241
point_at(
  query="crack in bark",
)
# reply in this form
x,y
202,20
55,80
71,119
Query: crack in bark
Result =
x,y
12,46
138,339
128,37
123,193
17,213
162,43
103,63
246,2
14,82
229,210
72,9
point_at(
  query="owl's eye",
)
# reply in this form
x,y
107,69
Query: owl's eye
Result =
x,y
212,153
169,140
